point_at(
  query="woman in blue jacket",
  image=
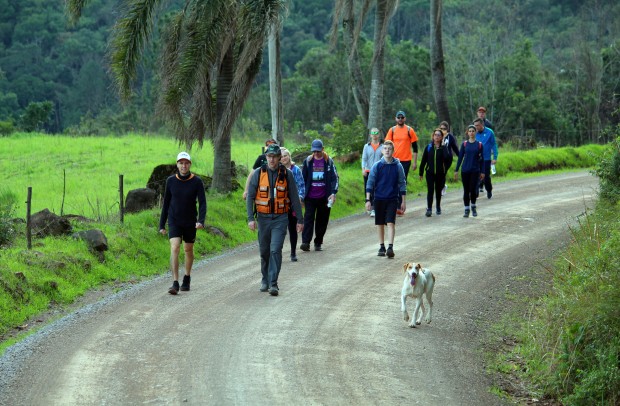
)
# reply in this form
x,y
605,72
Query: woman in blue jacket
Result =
x,y
471,162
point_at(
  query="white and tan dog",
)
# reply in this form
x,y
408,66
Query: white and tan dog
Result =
x,y
418,282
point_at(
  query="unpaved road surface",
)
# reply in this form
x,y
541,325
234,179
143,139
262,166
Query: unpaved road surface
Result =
x,y
334,336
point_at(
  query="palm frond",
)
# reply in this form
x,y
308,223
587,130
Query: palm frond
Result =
x,y
74,9
129,36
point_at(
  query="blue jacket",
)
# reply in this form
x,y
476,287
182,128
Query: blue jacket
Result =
x,y
487,138
387,180
471,157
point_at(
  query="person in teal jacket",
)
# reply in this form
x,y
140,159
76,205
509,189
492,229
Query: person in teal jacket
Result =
x,y
487,137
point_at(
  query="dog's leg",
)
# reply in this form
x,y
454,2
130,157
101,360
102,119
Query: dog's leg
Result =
x,y
429,298
423,310
403,307
415,312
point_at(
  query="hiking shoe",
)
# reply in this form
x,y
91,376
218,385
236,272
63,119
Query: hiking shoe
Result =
x,y
466,213
174,289
429,212
293,257
473,211
381,252
304,246
489,195
273,290
390,252
438,212
444,190
264,287
372,213
185,284
317,247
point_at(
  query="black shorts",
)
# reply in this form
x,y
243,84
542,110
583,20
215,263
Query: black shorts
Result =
x,y
186,233
385,211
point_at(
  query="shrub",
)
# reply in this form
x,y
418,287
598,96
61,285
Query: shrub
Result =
x,y
7,208
6,128
608,171
347,138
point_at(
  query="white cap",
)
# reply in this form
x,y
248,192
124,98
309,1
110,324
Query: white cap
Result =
x,y
183,155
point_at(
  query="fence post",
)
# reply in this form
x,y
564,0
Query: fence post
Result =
x,y
122,204
28,225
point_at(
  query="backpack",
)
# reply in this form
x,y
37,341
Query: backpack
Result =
x,y
408,131
479,145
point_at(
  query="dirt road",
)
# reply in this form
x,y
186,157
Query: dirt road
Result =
x,y
335,334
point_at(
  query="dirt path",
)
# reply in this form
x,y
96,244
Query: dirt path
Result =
x,y
334,335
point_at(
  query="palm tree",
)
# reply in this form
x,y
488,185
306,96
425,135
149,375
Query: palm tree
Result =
x,y
211,54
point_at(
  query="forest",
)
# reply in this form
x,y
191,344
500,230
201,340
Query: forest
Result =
x,y
545,69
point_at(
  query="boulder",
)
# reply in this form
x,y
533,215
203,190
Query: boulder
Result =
x,y
95,239
157,180
140,199
45,223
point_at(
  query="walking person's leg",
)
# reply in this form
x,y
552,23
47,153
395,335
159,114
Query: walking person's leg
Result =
x,y
320,228
264,243
467,191
308,232
175,249
487,179
390,219
278,234
292,231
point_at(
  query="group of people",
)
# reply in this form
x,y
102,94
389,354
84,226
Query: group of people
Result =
x,y
276,188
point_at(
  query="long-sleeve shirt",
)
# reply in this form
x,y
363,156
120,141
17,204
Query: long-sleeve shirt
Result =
x,y
370,155
434,160
471,157
180,198
487,138
387,180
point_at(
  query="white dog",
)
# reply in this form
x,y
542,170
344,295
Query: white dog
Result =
x,y
418,282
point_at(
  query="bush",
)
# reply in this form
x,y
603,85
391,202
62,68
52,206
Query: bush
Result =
x,y
608,171
348,138
6,128
7,208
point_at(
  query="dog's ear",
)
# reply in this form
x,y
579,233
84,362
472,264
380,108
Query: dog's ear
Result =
x,y
418,267
405,267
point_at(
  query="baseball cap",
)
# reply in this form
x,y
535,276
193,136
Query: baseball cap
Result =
x,y
482,108
183,155
401,113
273,149
317,145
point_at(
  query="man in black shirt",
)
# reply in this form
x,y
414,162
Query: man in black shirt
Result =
x,y
179,209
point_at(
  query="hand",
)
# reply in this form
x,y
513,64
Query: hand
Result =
x,y
300,227
245,194
162,231
421,177
456,174
481,176
333,198
252,225
403,206
493,161
199,226
368,206
414,166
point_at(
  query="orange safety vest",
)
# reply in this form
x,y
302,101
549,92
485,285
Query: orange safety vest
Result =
x,y
265,202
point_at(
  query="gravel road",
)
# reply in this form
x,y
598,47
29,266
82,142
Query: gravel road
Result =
x,y
334,336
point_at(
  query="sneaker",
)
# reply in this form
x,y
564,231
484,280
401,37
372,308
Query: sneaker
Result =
x,y
293,257
489,195
429,212
390,252
185,284
473,211
444,190
372,213
174,289
381,252
264,287
466,213
438,212
273,290
304,246
317,247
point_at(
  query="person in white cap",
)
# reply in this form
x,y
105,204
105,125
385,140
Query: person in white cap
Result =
x,y
179,210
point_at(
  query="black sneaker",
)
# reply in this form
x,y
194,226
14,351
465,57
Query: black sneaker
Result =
x,y
381,252
294,257
466,213
174,289
390,252
264,287
273,290
438,212
304,246
317,247
429,212
185,284
473,211
489,195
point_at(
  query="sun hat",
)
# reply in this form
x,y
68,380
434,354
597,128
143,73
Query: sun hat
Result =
x,y
317,146
183,155
273,149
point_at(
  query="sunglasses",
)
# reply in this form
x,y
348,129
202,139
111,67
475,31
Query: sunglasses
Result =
x,y
374,132
400,117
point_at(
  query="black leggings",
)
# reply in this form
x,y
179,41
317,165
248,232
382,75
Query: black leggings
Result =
x,y
434,184
292,231
470,187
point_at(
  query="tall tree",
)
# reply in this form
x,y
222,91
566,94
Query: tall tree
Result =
x,y
275,85
212,51
438,68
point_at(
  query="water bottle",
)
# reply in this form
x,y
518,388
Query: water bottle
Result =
x,y
330,203
493,171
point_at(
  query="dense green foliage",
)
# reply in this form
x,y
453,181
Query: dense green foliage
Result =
x,y
547,69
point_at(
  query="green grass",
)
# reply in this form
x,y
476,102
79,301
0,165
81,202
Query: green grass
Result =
x,y
58,270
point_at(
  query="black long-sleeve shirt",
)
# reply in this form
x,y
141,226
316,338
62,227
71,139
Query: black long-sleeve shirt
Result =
x,y
180,198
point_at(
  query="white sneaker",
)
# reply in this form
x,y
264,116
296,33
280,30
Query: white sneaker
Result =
x,y
443,191
372,213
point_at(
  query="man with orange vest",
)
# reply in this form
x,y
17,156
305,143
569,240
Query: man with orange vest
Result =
x,y
272,191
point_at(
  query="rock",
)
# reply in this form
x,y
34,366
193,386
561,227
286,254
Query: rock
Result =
x,y
95,239
157,180
45,223
140,199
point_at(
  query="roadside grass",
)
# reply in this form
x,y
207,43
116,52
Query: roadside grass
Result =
x,y
59,270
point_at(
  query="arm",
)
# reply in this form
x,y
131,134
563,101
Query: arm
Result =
x,y
423,163
293,195
414,161
334,180
202,203
164,210
299,181
494,151
249,201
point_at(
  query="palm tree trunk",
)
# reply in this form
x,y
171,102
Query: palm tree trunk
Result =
x,y
358,87
438,69
375,111
222,174
275,85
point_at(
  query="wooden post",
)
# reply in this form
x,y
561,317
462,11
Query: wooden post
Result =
x,y
121,204
28,225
